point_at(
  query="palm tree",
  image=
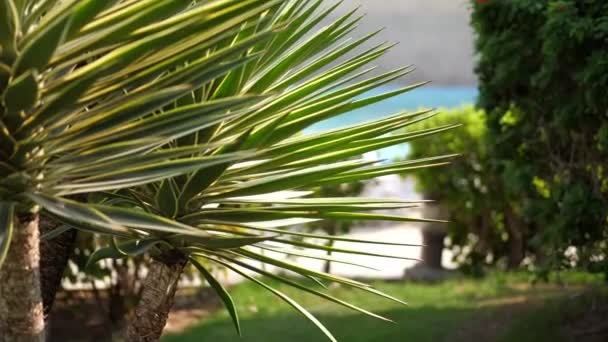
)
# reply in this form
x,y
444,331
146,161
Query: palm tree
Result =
x,y
183,117
246,204
86,89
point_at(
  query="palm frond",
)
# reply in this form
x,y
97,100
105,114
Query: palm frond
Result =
x,y
186,118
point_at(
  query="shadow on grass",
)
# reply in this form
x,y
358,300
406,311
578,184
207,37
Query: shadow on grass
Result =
x,y
425,323
503,308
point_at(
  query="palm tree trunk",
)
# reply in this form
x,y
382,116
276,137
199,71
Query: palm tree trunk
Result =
x,y
21,310
157,299
55,254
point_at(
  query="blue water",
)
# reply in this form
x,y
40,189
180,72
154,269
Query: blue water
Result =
x,y
424,97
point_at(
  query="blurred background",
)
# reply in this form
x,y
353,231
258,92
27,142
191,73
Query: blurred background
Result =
x,y
433,35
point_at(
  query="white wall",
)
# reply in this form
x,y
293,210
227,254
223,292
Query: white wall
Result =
x,y
434,35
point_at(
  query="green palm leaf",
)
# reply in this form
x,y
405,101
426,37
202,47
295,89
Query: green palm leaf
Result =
x,y
186,119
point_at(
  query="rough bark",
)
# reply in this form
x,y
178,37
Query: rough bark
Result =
x,y
55,254
21,311
157,298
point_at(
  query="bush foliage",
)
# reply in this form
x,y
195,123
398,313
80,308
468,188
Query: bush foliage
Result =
x,y
543,73
476,229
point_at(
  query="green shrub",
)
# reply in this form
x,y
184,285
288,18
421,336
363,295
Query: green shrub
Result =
x,y
543,73
466,192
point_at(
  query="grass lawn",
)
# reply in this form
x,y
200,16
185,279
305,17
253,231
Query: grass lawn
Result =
x,y
497,308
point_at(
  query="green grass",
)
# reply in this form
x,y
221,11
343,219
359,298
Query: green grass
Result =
x,y
497,308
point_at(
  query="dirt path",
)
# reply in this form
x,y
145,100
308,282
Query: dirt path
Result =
x,y
582,315
490,325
